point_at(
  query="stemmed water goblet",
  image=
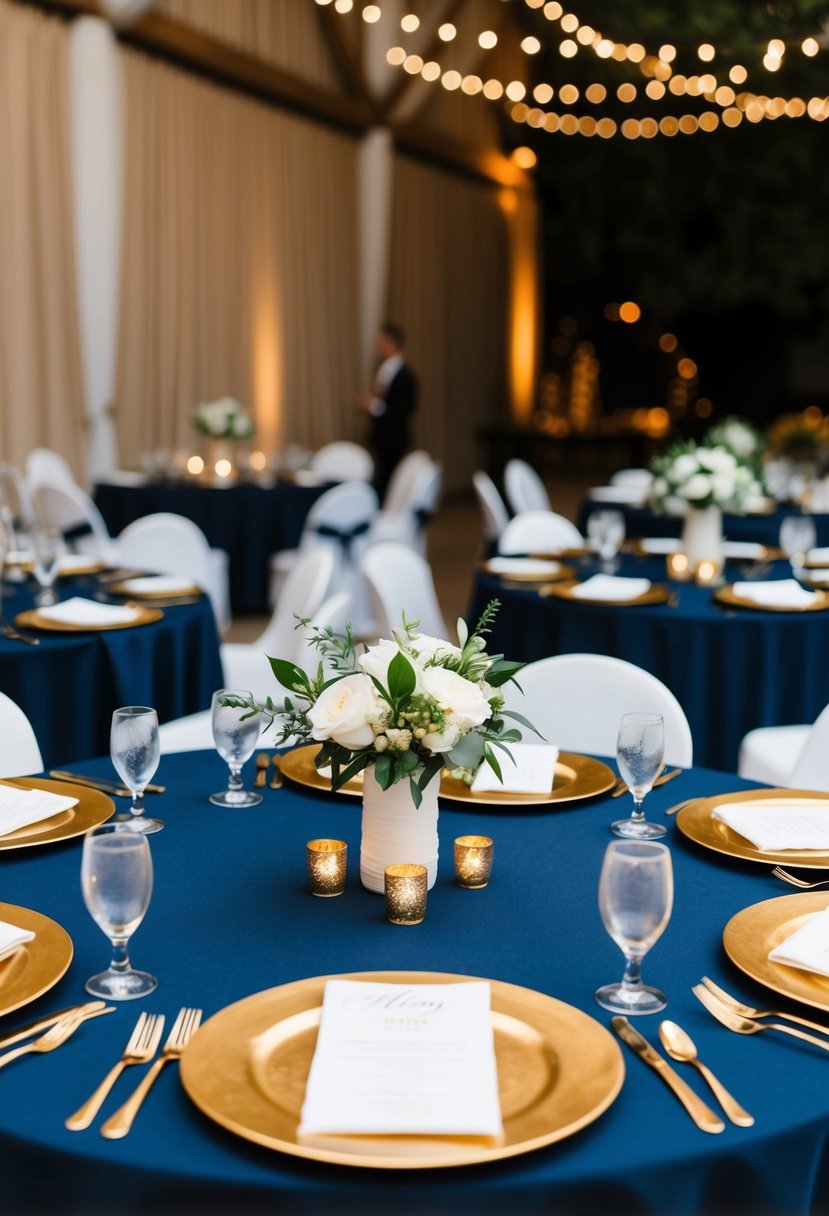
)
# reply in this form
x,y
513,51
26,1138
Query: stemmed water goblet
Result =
x,y
797,537
640,750
606,530
135,752
117,882
48,547
235,733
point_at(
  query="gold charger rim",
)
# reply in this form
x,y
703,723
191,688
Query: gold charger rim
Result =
x,y
562,573
656,594
50,955
121,588
753,932
93,809
32,619
695,823
726,595
533,1005
591,777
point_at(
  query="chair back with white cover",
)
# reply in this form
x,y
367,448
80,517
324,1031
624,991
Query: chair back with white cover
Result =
x,y
340,521
401,582
70,509
399,492
408,526
15,497
19,750
577,701
539,532
493,508
811,769
45,467
524,488
165,543
343,461
633,477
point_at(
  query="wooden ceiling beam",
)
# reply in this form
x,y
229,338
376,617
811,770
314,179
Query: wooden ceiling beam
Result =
x,y
347,58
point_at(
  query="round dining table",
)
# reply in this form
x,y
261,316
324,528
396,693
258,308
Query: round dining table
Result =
x,y
731,669
763,528
231,916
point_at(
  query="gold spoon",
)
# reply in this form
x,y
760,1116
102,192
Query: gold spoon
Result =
x,y
681,1047
263,762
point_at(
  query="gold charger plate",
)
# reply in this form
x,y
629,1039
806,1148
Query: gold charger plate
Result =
x,y
752,934
656,594
91,567
247,1067
92,809
576,777
726,595
37,966
563,572
120,588
695,822
32,619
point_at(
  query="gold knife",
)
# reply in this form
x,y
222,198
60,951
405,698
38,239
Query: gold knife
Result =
x,y
662,779
101,782
701,1114
17,1036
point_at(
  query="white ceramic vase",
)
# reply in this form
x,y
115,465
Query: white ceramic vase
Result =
x,y
702,535
220,449
394,830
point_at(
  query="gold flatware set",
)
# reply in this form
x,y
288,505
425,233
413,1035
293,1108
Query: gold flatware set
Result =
x,y
62,1028
621,788
743,1019
263,763
102,783
184,1027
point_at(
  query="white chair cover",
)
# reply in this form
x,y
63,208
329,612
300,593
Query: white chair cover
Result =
x,y
401,581
343,461
19,750
539,532
44,467
493,509
408,525
769,753
70,509
15,497
524,488
398,493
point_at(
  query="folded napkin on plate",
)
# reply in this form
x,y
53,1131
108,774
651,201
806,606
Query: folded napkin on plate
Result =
x,y
807,948
774,825
610,587
162,584
11,938
743,550
660,546
78,611
531,771
816,574
20,808
75,561
522,565
783,593
818,556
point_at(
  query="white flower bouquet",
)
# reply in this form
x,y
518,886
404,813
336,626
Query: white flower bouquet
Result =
x,y
223,419
691,476
740,438
410,705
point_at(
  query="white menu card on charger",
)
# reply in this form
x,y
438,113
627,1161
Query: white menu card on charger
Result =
x,y
403,1059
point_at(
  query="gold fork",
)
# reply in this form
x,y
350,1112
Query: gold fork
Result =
x,y
140,1049
56,1036
748,1011
733,1021
184,1027
794,881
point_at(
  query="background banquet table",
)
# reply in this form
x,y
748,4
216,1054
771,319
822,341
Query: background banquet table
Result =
x,y
69,685
764,529
249,522
731,669
230,916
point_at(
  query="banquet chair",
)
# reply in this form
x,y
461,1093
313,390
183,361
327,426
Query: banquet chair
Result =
x,y
539,532
172,544
493,508
15,498
19,750
44,467
791,756
524,488
576,701
70,509
399,581
399,488
407,525
633,477
342,461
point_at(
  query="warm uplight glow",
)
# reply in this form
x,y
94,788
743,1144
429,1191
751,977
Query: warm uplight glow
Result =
x,y
629,312
447,31
524,157
223,468
195,465
706,52
523,302
410,23
487,40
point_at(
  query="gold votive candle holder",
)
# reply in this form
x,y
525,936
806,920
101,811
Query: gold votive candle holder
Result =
x,y
707,572
473,861
679,568
405,885
326,861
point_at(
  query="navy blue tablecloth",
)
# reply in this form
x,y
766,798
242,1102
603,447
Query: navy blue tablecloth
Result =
x,y
230,916
249,522
69,685
763,529
731,670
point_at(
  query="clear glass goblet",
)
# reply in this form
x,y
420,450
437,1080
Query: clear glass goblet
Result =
x,y
606,529
117,882
235,736
797,537
135,751
636,893
48,547
640,750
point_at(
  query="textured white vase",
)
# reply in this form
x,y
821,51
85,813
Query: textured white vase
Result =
x,y
395,830
702,535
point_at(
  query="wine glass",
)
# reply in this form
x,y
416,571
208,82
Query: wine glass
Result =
x,y
640,750
797,537
235,737
117,882
48,547
135,752
606,529
636,895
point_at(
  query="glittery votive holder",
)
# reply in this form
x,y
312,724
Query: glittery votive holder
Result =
x,y
473,861
707,573
405,893
326,867
678,567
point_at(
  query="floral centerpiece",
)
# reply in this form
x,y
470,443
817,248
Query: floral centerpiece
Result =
x,y
224,418
737,435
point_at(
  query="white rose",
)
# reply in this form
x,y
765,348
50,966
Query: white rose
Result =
x,y
684,466
696,488
427,648
723,487
345,711
659,488
441,741
720,461
375,661
462,701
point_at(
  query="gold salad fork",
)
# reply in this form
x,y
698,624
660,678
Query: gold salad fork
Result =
x,y
748,1011
794,881
740,1025
56,1036
140,1049
184,1027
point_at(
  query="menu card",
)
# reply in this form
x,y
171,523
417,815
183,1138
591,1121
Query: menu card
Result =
x,y
403,1059
531,771
807,948
774,825
12,938
79,611
611,588
19,808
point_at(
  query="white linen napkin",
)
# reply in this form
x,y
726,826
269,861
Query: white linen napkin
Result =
x,y
161,584
782,593
774,825
632,496
20,808
808,947
11,938
818,556
527,566
611,588
530,772
816,575
79,611
743,550
70,562
660,546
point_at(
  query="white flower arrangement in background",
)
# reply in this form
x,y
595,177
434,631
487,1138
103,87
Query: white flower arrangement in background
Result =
x,y
738,436
223,419
691,476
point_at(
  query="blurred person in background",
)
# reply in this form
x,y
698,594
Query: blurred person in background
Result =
x,y
391,404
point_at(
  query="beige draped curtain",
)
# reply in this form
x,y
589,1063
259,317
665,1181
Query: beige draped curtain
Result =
x,y
41,381
239,271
